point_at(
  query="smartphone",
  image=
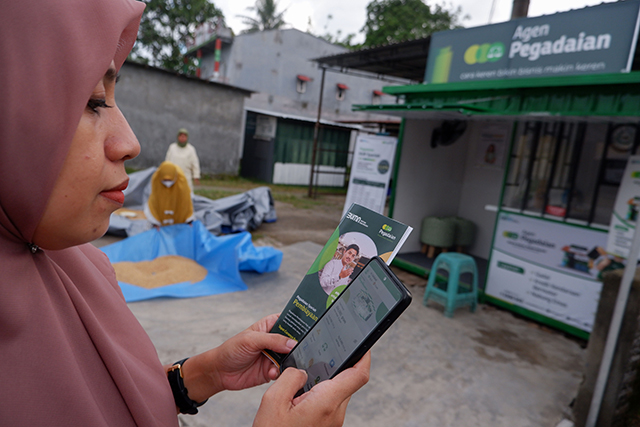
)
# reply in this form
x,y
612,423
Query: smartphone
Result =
x,y
373,300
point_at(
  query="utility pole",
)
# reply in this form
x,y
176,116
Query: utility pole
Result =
x,y
316,133
520,9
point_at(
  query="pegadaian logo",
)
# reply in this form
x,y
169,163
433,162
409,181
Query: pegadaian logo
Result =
x,y
510,235
385,231
486,52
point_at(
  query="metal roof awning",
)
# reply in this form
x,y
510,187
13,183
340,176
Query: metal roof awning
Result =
x,y
287,116
406,60
594,97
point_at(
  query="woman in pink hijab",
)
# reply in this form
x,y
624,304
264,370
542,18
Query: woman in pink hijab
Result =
x,y
73,353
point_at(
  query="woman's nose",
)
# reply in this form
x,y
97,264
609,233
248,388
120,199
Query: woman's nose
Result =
x,y
121,143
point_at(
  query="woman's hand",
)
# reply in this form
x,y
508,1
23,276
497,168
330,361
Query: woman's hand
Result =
x,y
238,363
324,405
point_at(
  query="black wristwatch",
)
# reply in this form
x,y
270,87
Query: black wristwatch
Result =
x,y
180,392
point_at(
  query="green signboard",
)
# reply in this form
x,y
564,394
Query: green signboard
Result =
x,y
599,39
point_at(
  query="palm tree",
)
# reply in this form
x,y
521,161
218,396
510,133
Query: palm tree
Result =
x,y
267,19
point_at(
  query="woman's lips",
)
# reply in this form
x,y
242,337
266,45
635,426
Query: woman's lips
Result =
x,y
116,194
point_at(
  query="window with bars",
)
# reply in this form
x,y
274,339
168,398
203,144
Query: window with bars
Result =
x,y
568,171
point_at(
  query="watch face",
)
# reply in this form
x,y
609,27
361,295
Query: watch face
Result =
x,y
623,137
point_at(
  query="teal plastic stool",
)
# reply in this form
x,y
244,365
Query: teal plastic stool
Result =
x,y
454,295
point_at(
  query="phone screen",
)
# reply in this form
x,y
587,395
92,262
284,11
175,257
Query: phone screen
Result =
x,y
351,318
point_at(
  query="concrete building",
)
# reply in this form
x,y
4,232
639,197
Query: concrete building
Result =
x,y
278,67
157,103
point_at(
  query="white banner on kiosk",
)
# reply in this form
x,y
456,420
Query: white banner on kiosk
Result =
x,y
548,268
370,172
625,211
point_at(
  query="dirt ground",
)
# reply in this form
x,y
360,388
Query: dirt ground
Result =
x,y
298,225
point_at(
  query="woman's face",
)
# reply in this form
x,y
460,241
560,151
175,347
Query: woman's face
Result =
x,y
89,187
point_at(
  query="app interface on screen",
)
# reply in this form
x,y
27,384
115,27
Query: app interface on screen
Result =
x,y
347,323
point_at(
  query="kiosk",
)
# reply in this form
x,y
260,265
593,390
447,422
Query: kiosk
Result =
x,y
525,128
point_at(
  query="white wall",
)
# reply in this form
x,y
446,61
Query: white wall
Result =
x,y
481,186
429,179
298,174
446,181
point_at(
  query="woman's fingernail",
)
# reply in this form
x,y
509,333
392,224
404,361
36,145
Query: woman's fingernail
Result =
x,y
291,344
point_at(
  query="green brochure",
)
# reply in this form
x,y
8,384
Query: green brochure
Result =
x,y
361,235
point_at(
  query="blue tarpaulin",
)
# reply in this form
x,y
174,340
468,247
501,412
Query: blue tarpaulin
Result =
x,y
223,257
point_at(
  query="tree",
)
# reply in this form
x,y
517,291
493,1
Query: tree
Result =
x,y
267,17
166,26
392,21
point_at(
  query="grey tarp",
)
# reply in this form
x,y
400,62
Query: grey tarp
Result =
x,y
240,212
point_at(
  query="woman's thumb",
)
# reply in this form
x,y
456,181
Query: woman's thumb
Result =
x,y
289,382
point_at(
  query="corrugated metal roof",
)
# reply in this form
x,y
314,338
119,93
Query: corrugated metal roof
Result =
x,y
611,96
406,60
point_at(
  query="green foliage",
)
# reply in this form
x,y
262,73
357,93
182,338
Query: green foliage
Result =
x,y
165,27
267,17
393,21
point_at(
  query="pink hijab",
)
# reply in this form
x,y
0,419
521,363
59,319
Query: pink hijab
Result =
x,y
73,353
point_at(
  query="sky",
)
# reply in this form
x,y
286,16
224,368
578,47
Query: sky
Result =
x,y
348,16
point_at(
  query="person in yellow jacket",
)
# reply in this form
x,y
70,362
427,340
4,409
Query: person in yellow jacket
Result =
x,y
170,200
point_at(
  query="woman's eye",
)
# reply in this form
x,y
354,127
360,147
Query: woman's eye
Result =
x,y
95,103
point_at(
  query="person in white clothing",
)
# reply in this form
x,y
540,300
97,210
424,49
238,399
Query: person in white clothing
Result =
x,y
184,155
337,271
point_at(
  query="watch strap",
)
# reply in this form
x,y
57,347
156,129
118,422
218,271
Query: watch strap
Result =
x,y
180,392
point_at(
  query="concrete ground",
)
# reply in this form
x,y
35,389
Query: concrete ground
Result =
x,y
487,368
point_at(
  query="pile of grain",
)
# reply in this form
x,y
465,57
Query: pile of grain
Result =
x,y
162,271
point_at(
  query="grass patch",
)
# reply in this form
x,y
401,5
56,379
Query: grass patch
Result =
x,y
247,184
299,201
219,186
216,193
230,181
